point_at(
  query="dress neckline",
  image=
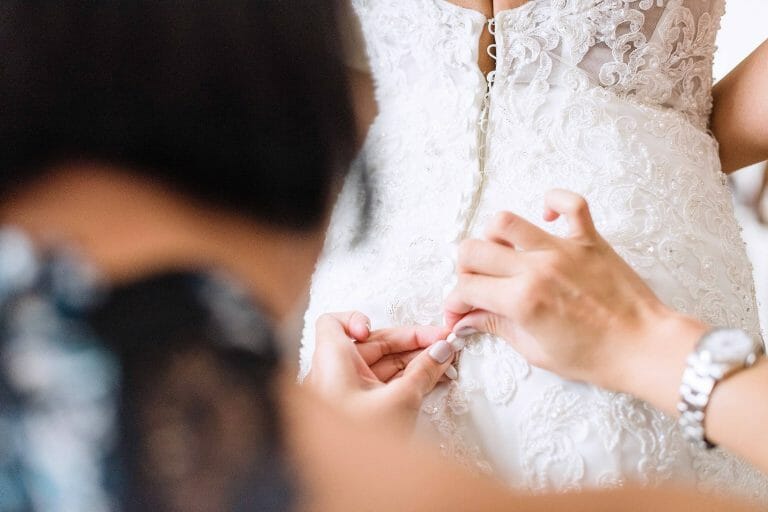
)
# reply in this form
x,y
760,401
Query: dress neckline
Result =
x,y
479,15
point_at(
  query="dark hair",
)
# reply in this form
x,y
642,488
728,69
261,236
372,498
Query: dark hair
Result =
x,y
242,104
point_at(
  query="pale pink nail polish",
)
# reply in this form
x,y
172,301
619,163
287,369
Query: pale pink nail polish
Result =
x,y
466,331
457,343
451,373
441,351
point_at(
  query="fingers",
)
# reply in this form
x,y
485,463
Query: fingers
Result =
x,y
330,328
395,340
513,334
389,366
514,231
335,362
346,326
359,326
475,291
425,371
488,258
559,202
476,321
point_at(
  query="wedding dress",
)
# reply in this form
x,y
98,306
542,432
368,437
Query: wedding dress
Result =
x,y
608,98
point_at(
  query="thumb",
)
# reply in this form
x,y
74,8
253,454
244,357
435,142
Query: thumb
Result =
x,y
477,321
513,334
424,372
559,202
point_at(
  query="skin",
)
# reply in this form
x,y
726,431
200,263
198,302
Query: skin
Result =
x,y
574,307
376,471
762,193
132,227
738,119
740,115
489,8
363,101
639,316
378,376
376,466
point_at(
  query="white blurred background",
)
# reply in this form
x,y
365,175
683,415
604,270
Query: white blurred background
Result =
x,y
744,27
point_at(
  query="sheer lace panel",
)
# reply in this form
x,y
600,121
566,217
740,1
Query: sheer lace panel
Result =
x,y
658,52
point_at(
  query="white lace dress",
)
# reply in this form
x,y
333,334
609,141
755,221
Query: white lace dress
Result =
x,y
608,98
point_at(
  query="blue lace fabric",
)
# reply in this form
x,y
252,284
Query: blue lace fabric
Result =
x,y
155,396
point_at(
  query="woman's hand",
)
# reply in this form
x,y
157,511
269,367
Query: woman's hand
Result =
x,y
569,305
380,375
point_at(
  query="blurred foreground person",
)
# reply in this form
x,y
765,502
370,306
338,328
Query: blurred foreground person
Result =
x,y
759,202
166,172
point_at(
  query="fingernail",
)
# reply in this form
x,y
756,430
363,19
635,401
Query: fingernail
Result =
x,y
441,351
457,343
451,373
465,331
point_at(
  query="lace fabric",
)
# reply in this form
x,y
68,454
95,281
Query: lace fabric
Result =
x,y
656,53
609,98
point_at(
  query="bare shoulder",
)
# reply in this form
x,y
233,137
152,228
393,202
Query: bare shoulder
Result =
x,y
355,53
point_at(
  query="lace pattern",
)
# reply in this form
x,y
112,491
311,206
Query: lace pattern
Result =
x,y
609,98
658,53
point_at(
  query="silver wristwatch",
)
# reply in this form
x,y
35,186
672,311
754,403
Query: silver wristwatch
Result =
x,y
718,355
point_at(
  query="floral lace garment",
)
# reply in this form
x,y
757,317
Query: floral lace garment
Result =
x,y
608,98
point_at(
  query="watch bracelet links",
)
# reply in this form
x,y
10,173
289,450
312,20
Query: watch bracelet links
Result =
x,y
695,392
698,383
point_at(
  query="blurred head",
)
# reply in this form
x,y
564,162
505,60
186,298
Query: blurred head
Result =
x,y
240,106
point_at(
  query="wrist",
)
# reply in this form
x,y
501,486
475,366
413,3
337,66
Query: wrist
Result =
x,y
721,356
653,371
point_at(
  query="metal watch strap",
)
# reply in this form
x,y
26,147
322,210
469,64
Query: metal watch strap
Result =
x,y
695,392
700,377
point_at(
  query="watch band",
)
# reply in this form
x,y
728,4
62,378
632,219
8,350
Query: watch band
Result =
x,y
704,371
695,391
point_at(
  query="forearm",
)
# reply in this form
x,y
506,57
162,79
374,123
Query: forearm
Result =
x,y
737,415
373,470
740,116
737,412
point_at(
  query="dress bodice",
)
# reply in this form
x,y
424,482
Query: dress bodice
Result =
x,y
658,52
608,98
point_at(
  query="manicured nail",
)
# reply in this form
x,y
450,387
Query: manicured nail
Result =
x,y
451,373
465,331
441,351
457,343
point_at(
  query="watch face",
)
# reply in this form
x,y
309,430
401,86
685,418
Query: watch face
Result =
x,y
728,346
